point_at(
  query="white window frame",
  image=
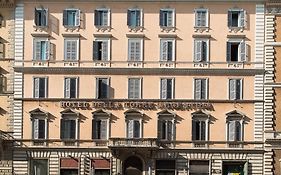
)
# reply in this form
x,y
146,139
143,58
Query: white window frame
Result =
x,y
241,43
240,11
196,11
46,17
108,18
173,18
134,118
76,119
76,90
241,89
39,117
238,119
48,49
202,118
207,88
77,15
35,95
207,41
141,18
99,117
131,40
162,40
108,51
77,40
167,118
172,90
140,88
97,87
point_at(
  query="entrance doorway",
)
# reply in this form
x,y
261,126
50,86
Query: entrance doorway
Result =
x,y
133,166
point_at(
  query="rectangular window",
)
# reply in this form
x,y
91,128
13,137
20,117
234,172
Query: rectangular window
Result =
x,y
101,166
165,167
68,128
71,18
102,88
2,50
134,88
234,132
99,128
200,89
3,84
40,87
167,18
199,167
167,50
235,89
39,128
41,49
102,17
41,17
237,51
71,87
134,18
199,129
165,129
101,50
236,18
39,167
201,18
135,49
235,168
167,88
201,50
71,48
133,129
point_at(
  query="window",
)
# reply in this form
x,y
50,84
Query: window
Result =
x,y
201,50
2,49
167,50
69,166
235,167
3,84
200,89
200,126
41,17
167,18
102,17
235,126
99,130
134,88
199,167
41,49
71,87
133,128
201,18
167,88
134,18
40,87
71,18
165,167
235,89
102,88
71,48
101,50
39,167
135,49
166,125
39,126
69,124
101,166
237,51
236,18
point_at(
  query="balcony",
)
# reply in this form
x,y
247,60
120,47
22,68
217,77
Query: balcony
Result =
x,y
133,143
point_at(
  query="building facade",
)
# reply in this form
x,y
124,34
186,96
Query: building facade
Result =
x,y
131,87
6,84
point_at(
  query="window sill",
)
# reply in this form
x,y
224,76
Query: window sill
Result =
x,y
103,28
235,29
136,28
41,28
168,28
201,29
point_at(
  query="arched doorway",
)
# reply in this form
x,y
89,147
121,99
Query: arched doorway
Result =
x,y
133,166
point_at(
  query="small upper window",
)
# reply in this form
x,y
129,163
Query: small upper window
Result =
x,y
41,17
236,18
102,17
134,18
201,18
167,18
201,50
237,51
101,49
71,18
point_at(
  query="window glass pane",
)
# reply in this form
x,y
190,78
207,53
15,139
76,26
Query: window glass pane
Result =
x,y
233,168
102,172
68,172
73,87
42,87
136,129
41,129
39,167
199,167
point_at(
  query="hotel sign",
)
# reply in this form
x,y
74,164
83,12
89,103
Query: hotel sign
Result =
x,y
113,105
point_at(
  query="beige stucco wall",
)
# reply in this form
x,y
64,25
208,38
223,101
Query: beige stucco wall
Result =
x,y
277,28
276,161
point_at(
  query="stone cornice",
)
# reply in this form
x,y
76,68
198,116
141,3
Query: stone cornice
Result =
x,y
7,3
87,1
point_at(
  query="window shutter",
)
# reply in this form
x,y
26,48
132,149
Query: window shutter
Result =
x,y
67,88
170,130
203,18
231,131
129,23
170,51
131,88
105,50
47,48
229,18
77,18
198,85
105,18
239,89
194,130
203,130
242,19
36,17
198,51
95,50
72,129
159,128
138,17
37,50
232,89
170,19
131,51
97,17
243,54
36,87
164,51
103,129
65,22
228,51
62,129
204,51
46,17
35,128
137,88
136,129
46,87
130,128
161,18
197,19
68,49
245,169
204,91
163,88
138,51
73,50
103,87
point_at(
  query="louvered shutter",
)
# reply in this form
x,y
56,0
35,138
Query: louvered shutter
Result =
x,y
170,51
138,17
96,50
161,18
73,50
103,129
229,18
138,51
137,88
203,19
198,85
130,88
105,18
77,18
169,88
197,19
129,16
243,54
238,89
164,50
131,52
169,18
35,128
47,48
46,17
170,130
104,50
65,21
62,129
163,88
232,89
67,50
242,18
198,51
67,88
36,17
231,131
228,51
159,129
203,89
203,130
37,50
36,87
130,128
